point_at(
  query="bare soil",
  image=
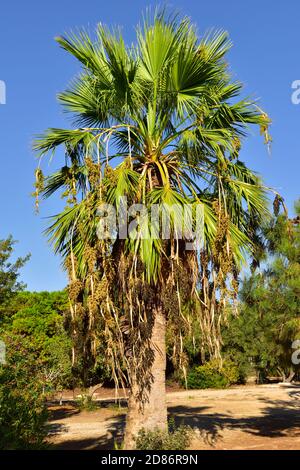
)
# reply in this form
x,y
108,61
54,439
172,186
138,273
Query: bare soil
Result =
x,y
245,417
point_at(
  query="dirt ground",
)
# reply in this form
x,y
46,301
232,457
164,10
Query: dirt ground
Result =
x,y
245,417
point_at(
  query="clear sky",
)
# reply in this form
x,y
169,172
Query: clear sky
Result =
x,y
265,57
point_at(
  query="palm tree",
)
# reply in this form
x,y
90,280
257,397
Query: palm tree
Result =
x,y
159,122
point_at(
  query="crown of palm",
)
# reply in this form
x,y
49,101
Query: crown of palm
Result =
x,y
159,122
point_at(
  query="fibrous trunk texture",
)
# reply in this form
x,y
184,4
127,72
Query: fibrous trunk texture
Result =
x,y
152,413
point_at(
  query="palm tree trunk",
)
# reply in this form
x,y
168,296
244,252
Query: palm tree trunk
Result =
x,y
153,413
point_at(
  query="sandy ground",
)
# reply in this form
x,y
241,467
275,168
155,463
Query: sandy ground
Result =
x,y
249,417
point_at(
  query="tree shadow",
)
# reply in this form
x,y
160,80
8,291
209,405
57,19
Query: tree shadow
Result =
x,y
53,429
112,439
101,443
62,412
277,418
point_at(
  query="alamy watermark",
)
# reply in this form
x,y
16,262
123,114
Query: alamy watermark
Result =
x,y
2,353
159,221
296,93
2,92
296,353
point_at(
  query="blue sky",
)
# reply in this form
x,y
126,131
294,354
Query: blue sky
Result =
x,y
265,57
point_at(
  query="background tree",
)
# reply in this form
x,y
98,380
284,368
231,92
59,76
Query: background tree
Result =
x,y
159,122
261,337
22,408
9,274
37,324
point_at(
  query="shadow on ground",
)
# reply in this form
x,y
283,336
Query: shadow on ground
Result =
x,y
278,418
111,440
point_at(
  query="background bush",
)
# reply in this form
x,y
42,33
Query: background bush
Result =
x,y
23,411
172,439
210,375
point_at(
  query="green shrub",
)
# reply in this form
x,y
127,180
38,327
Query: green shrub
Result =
x,y
23,412
210,375
85,402
22,418
231,372
172,439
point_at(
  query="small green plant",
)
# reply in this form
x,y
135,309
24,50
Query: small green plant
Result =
x,y
85,402
211,375
118,445
172,439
